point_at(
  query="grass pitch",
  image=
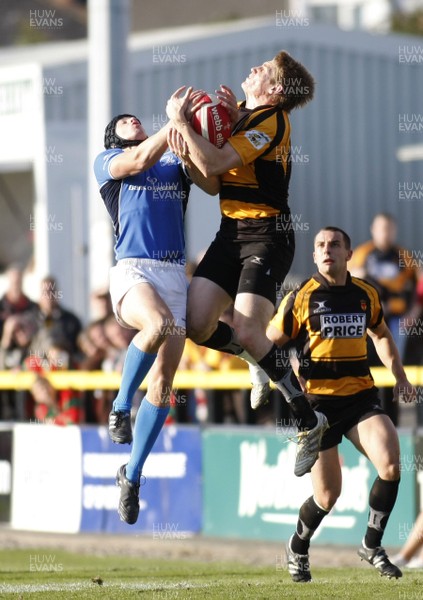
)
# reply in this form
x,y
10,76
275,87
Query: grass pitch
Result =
x,y
53,575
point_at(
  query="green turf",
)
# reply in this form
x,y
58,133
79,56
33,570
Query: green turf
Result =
x,y
51,575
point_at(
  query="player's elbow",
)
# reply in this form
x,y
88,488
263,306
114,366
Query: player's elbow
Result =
x,y
213,187
215,165
141,164
210,170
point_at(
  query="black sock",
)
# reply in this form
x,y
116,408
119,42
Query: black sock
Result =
x,y
277,365
305,417
382,499
309,519
223,339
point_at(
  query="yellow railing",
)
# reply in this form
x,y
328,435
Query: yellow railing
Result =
x,y
236,379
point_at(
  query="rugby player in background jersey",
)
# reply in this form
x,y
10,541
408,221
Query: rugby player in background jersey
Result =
x,y
389,267
253,250
145,190
328,318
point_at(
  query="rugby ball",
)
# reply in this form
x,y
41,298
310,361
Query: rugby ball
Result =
x,y
212,121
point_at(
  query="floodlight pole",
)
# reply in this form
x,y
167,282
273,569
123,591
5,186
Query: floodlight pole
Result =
x,y
108,94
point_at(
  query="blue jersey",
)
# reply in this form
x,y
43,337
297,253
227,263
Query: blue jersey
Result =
x,y
147,209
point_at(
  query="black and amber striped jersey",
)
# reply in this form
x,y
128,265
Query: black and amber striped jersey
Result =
x,y
329,327
392,272
259,188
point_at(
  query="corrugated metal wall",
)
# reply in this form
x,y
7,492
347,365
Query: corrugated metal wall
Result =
x,y
345,165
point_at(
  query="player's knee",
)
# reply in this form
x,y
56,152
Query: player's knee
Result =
x,y
247,337
198,330
327,499
390,472
157,330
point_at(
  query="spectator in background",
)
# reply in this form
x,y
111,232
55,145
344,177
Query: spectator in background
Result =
x,y
230,405
93,348
53,347
18,332
118,339
56,358
14,301
101,304
15,347
386,265
97,334
90,356
56,325
50,407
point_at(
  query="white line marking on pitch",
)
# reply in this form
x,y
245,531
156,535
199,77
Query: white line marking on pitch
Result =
x,y
61,587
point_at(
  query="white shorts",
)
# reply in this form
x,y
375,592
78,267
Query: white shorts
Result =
x,y
168,279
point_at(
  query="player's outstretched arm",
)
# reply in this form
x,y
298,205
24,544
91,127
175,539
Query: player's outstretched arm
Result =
x,y
140,158
389,355
177,144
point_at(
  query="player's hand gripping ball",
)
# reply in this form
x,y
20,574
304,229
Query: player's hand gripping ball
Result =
x,y
212,121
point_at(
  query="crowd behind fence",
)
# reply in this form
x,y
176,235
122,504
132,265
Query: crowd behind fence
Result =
x,y
55,370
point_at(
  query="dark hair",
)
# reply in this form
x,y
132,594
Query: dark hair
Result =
x,y
345,236
297,83
112,140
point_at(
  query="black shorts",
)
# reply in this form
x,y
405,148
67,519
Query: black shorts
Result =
x,y
257,267
344,412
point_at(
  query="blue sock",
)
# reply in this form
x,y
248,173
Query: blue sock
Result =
x,y
137,365
148,423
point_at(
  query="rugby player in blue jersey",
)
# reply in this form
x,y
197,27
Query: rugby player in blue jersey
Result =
x,y
145,189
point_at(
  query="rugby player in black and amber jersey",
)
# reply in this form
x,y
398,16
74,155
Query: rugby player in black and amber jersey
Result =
x,y
329,323
329,317
389,267
253,250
